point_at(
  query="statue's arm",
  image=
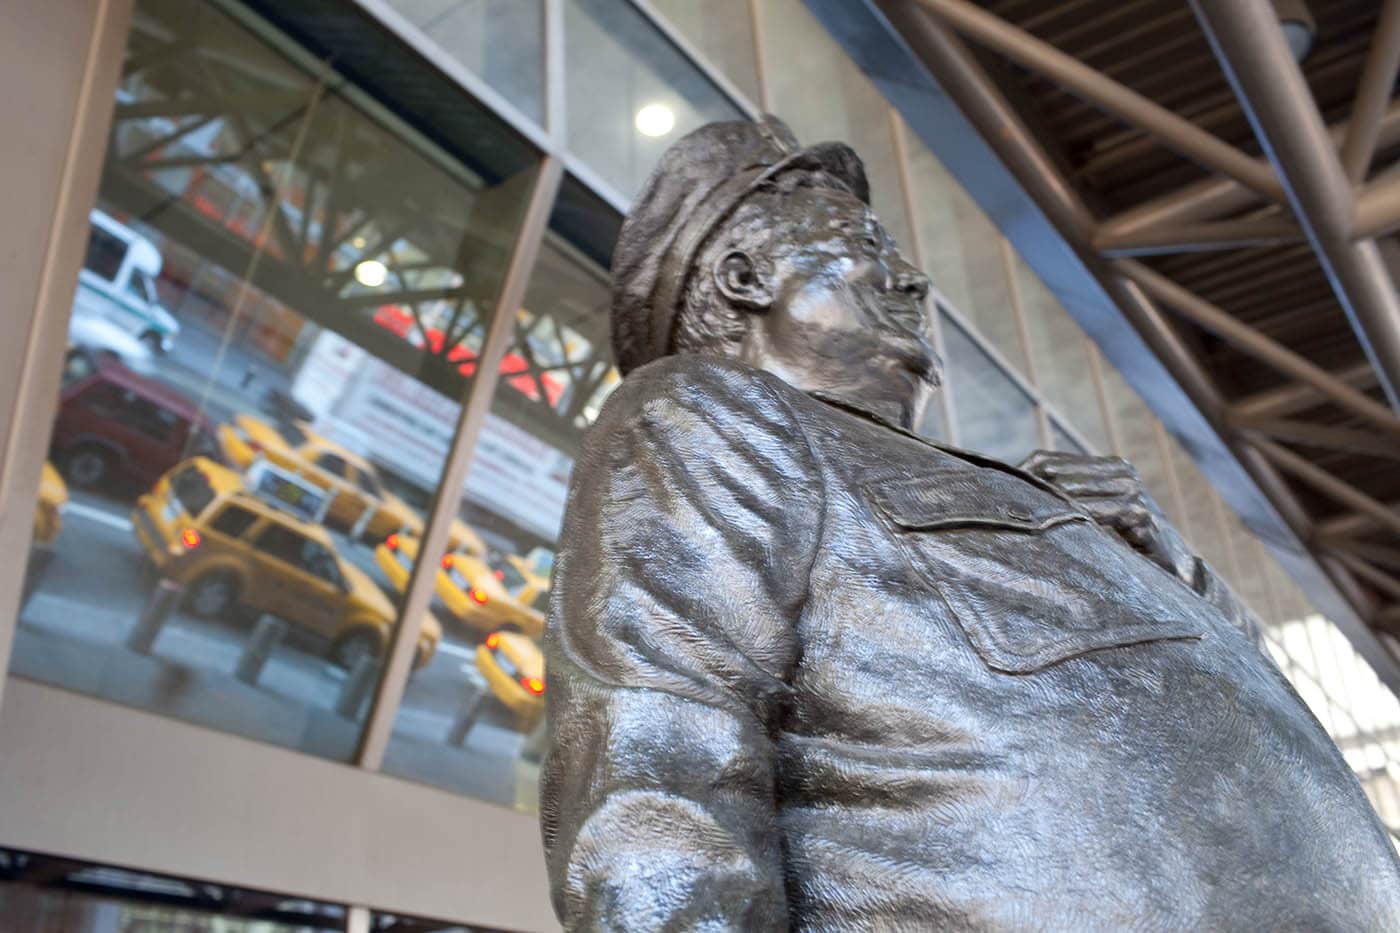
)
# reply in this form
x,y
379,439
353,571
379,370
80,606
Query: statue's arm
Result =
x,y
685,553
1111,491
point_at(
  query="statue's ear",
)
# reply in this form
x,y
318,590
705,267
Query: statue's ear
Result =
x,y
741,281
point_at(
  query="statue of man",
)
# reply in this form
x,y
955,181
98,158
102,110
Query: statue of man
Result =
x,y
810,670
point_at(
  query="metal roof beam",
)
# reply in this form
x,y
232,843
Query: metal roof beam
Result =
x,y
1172,129
1312,434
1298,396
1251,341
1256,59
1212,197
1329,485
1199,237
1372,94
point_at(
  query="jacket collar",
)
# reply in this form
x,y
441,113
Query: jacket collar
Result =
x,y
982,460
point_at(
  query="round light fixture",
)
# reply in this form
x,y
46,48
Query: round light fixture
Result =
x,y
655,120
371,273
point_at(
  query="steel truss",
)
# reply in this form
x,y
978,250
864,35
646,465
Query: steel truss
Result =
x,y
1314,187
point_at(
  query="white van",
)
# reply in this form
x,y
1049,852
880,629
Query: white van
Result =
x,y
118,283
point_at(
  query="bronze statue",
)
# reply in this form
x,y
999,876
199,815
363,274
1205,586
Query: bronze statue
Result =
x,y
810,670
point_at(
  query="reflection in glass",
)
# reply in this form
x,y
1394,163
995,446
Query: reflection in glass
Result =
x,y
282,303
616,63
501,40
994,415
475,726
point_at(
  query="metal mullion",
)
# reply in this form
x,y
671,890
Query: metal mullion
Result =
x,y
906,189
1023,335
1110,424
555,106
760,58
417,595
1013,372
1164,451
1067,425
357,919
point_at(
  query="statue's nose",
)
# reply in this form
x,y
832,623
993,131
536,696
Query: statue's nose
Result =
x,y
912,282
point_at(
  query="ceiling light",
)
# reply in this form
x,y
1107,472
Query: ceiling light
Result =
x,y
1298,25
655,120
371,273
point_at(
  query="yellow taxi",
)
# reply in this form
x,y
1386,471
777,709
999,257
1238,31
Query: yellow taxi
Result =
x,y
465,584
514,670
360,501
53,496
254,541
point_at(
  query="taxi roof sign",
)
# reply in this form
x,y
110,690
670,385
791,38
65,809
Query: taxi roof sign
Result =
x,y
287,491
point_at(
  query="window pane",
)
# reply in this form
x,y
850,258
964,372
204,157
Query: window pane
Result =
x,y
962,250
326,278
1061,439
500,40
822,95
629,92
1061,353
470,721
1137,434
994,416
721,31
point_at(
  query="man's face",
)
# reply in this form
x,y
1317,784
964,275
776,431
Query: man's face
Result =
x,y
847,312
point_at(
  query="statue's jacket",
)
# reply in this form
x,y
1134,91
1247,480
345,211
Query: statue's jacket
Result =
x,y
809,671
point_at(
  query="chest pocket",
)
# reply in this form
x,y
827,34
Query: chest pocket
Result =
x,y
1031,579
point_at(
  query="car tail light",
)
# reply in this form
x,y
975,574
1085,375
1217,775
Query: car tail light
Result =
x,y
493,640
447,562
392,542
533,684
190,539
501,575
479,597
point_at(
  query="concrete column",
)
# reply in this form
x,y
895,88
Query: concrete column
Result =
x,y
59,61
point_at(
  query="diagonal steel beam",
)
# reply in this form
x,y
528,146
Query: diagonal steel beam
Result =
x,y
1251,341
1329,485
1312,434
1172,129
1372,94
1373,575
1198,237
1375,553
1212,197
1298,396
1245,37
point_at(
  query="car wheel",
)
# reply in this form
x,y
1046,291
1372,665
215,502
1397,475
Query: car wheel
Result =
x,y
88,467
212,595
350,647
152,341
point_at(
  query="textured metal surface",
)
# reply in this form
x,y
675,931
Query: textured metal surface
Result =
x,y
808,670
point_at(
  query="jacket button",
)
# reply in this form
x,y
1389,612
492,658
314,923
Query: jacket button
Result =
x,y
1019,515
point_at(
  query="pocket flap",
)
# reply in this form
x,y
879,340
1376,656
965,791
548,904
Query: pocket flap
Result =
x,y
955,499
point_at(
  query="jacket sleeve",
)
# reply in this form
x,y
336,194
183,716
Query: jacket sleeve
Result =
x,y
688,539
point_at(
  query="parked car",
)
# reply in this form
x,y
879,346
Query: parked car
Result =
x,y
116,425
253,541
53,497
362,502
117,283
513,666
466,585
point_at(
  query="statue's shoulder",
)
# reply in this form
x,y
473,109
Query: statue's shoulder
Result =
x,y
694,380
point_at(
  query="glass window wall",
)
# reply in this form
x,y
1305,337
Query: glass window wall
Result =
x,y
994,415
629,92
500,40
822,95
234,437
1136,430
721,31
472,721
1060,350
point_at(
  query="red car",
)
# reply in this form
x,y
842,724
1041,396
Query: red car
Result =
x,y
116,426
